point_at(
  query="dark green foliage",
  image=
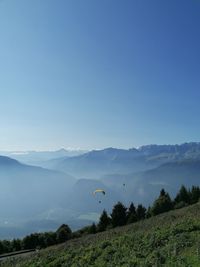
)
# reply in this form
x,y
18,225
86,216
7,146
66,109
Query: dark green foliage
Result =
x,y
16,244
162,204
93,229
50,238
183,195
6,246
194,194
63,233
104,221
131,214
148,212
118,215
31,241
1,247
36,240
83,231
180,205
39,240
141,212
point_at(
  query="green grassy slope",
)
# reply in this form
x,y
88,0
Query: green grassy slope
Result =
x,y
170,239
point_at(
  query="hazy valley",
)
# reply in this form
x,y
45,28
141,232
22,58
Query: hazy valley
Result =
x,y
41,198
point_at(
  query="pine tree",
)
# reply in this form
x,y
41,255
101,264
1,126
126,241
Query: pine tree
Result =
x,y
131,214
148,212
118,215
104,221
141,212
93,229
194,194
182,196
162,204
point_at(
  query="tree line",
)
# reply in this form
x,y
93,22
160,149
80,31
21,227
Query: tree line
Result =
x,y
122,215
119,216
37,240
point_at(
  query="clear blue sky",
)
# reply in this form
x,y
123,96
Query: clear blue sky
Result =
x,y
98,73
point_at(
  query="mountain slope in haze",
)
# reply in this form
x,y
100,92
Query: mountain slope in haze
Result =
x,y
143,186
82,198
169,239
38,157
26,191
97,163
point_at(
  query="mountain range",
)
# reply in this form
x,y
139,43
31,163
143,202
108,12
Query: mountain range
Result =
x,y
37,157
61,188
97,163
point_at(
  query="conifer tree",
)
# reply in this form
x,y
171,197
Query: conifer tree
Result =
x,y
104,221
194,194
182,196
93,229
162,204
141,212
118,215
131,214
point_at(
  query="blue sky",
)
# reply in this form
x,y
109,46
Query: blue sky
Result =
x,y
94,74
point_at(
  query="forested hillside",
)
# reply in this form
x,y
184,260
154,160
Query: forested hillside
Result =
x,y
169,239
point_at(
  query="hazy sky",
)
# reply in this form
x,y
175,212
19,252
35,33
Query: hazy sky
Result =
x,y
98,73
